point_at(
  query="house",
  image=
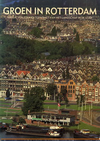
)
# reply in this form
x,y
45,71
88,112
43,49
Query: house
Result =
x,y
21,73
69,86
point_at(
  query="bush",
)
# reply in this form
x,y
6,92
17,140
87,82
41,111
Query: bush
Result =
x,y
22,120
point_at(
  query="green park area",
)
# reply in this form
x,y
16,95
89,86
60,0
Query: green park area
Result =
x,y
9,121
6,112
9,112
48,104
54,105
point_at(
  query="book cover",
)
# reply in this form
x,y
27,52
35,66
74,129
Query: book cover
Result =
x,y
49,69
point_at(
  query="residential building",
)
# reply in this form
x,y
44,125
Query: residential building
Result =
x,y
90,91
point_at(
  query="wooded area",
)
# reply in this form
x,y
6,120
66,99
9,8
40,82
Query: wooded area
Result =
x,y
14,50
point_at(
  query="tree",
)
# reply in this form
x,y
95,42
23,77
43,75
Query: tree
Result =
x,y
64,91
87,50
59,98
14,20
65,25
77,37
63,75
36,31
58,30
75,31
77,98
95,78
66,101
22,120
67,73
34,99
65,48
54,31
0,30
7,93
51,90
80,100
71,51
39,25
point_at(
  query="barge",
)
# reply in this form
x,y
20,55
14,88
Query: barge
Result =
x,y
49,132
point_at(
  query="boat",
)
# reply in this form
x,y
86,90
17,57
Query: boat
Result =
x,y
3,126
85,133
37,131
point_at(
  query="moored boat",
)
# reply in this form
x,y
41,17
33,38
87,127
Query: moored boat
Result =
x,y
85,133
35,131
3,126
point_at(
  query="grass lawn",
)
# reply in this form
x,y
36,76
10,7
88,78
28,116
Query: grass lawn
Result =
x,y
1,98
85,126
75,107
50,101
3,102
9,112
6,121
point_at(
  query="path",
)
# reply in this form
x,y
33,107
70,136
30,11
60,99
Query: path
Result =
x,y
10,108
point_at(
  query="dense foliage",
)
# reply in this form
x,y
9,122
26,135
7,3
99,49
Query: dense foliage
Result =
x,y
54,31
34,99
36,31
51,90
14,50
7,93
95,78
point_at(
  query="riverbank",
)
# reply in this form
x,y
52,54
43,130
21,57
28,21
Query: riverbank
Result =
x,y
71,129
10,112
84,125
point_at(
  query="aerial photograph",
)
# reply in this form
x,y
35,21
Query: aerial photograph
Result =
x,y
49,70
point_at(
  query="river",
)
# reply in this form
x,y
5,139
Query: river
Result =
x,y
9,137
4,135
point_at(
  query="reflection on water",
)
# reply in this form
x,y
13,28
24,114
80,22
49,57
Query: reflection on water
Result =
x,y
68,135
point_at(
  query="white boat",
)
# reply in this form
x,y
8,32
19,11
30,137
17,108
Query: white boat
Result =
x,y
55,127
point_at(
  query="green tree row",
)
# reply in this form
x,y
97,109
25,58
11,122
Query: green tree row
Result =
x,y
14,50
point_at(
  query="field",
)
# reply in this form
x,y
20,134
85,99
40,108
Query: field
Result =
x,y
6,110
74,107
10,112
9,121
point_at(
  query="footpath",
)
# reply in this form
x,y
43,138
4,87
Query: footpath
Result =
x,y
10,108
